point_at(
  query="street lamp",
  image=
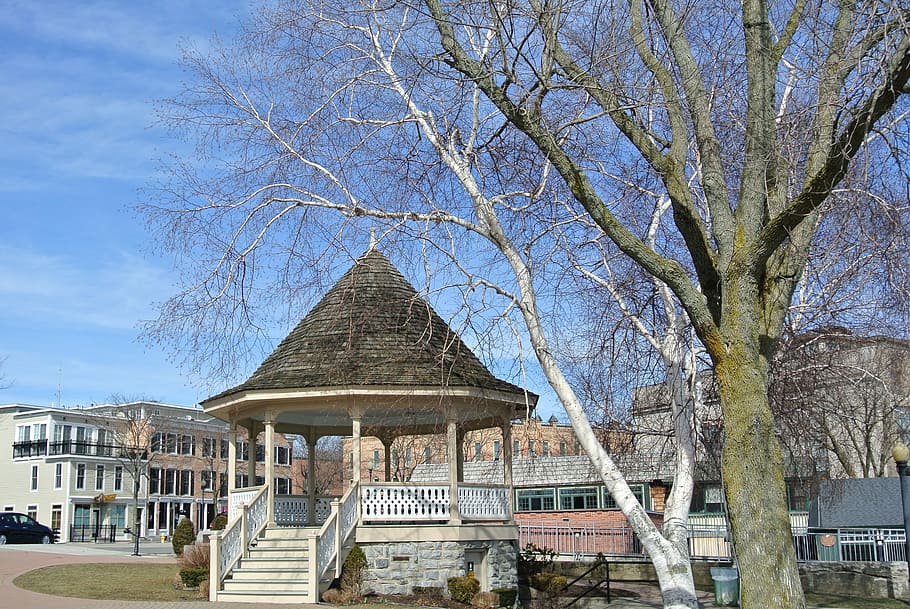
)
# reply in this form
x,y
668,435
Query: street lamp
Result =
x,y
901,455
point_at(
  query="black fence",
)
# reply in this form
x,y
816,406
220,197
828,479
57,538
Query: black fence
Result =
x,y
98,533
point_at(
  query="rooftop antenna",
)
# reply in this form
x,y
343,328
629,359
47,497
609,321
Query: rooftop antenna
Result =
x,y
59,387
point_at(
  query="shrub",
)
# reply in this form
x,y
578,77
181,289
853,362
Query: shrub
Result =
x,y
507,596
193,575
352,571
534,559
195,556
184,534
219,522
463,589
485,600
548,582
428,592
336,596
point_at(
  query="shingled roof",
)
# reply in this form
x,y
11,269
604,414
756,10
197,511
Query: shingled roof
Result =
x,y
372,329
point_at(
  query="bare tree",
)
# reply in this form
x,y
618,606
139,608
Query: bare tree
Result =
x,y
503,144
329,463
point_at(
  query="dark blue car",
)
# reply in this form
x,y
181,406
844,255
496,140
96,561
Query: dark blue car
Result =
x,y
20,528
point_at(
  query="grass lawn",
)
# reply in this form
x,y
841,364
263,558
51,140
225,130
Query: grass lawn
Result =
x,y
111,581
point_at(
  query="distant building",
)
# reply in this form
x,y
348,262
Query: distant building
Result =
x,y
74,469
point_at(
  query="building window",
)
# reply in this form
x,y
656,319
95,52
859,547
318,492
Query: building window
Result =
x,y
516,449
186,482
375,458
117,515
531,452
170,482
260,453
82,516
427,454
23,433
170,443
187,444
80,475
282,455
157,442
154,481
58,475
34,478
56,516
578,498
243,450
407,456
208,447
562,449
118,478
639,490
535,499
222,484
497,449
477,451
225,448
707,499
282,486
99,477
546,448
208,477
32,512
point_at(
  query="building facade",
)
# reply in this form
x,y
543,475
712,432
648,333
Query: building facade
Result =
x,y
79,470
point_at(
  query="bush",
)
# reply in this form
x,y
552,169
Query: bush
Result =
x,y
463,589
336,596
195,556
192,576
184,534
219,522
507,596
485,600
352,571
534,559
548,582
428,592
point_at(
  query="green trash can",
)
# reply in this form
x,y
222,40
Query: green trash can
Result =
x,y
726,586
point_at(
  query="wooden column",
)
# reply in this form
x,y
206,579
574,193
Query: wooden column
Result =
x,y
452,443
507,462
355,449
232,460
311,440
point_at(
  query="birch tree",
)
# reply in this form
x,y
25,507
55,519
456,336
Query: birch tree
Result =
x,y
496,142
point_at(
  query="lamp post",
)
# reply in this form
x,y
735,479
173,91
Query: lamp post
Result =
x,y
901,455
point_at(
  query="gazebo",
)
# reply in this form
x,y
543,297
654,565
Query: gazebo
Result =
x,y
372,358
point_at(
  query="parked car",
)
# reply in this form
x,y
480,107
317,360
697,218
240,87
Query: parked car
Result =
x,y
20,528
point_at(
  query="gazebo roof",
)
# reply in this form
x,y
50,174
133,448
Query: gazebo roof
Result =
x,y
373,330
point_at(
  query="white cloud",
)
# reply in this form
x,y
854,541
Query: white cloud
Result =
x,y
54,290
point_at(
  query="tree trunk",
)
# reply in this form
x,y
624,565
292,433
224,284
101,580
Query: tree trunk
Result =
x,y
753,474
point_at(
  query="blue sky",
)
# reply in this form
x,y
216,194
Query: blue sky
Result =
x,y
77,141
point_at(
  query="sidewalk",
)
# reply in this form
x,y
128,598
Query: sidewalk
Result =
x,y
18,559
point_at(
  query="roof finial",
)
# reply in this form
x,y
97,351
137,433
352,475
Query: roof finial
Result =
x,y
373,238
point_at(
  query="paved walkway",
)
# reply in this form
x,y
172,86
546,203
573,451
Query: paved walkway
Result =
x,y
18,559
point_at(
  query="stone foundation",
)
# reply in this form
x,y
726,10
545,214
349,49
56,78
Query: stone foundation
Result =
x,y
862,579
396,568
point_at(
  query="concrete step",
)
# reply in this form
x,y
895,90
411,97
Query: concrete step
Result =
x,y
262,586
272,562
283,542
263,597
248,573
292,553
288,533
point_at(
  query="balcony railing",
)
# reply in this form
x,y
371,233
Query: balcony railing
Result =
x,y
43,448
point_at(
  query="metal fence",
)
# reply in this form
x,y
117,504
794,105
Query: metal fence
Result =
x,y
713,543
98,533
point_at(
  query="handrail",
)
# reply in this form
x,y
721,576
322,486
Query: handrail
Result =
x,y
231,544
326,546
598,562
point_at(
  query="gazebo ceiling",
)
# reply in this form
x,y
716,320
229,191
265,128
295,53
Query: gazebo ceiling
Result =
x,y
372,347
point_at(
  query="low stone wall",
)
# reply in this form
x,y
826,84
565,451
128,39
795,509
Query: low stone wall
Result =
x,y
863,579
396,568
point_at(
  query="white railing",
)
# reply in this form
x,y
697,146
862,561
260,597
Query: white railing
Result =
x,y
229,546
404,502
294,510
866,545
326,546
484,502
240,497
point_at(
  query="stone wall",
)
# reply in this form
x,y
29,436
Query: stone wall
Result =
x,y
396,568
862,579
